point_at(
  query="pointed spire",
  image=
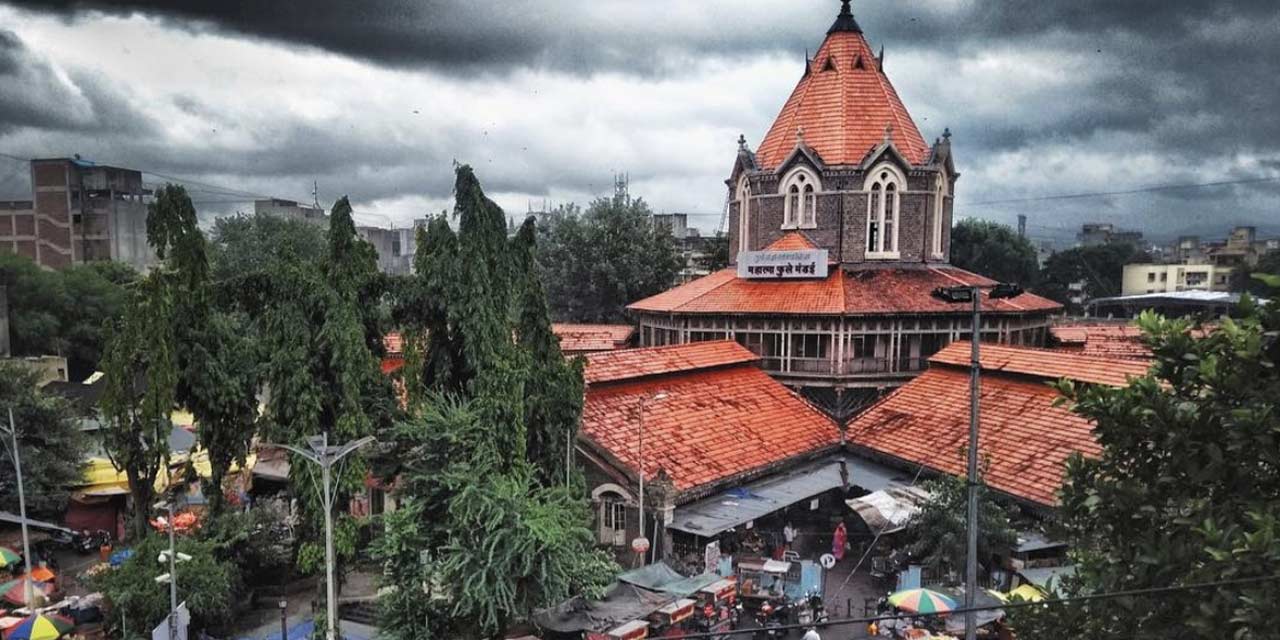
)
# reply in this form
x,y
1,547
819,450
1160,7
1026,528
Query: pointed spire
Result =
x,y
881,58
844,21
807,61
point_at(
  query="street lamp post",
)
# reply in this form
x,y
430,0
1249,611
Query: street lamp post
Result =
x,y
973,294
656,397
326,457
27,590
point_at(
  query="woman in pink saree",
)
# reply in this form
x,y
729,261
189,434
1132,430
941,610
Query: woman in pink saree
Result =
x,y
838,540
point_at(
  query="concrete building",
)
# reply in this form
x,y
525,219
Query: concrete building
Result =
x,y
79,212
1164,278
677,224
395,247
839,231
1093,234
290,209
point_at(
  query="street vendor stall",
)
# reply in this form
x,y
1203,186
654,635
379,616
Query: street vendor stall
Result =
x,y
762,580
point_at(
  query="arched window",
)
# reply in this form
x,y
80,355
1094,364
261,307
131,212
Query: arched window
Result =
x,y
939,214
884,187
744,215
800,206
612,519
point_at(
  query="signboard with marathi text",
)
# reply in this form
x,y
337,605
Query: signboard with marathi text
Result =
x,y
805,263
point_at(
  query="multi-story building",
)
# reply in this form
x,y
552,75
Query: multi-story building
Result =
x,y
839,232
395,247
1093,234
1165,278
79,212
290,209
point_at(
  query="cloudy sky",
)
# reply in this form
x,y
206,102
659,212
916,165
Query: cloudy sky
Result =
x,y
547,99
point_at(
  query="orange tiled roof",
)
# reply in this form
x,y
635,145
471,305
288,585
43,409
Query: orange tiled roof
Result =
x,y
1023,438
1050,364
842,109
871,291
1105,340
714,424
625,364
792,241
584,338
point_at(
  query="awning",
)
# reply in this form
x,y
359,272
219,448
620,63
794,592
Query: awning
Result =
x,y
710,516
1030,541
888,510
621,604
1047,578
661,577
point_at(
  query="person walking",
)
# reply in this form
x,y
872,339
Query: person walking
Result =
x,y
811,634
789,535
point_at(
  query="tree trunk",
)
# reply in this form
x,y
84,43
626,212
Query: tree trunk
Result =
x,y
142,490
217,501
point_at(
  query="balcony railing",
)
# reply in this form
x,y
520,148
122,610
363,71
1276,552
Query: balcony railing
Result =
x,y
852,366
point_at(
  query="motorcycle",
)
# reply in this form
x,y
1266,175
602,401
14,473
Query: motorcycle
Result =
x,y
85,542
769,621
812,610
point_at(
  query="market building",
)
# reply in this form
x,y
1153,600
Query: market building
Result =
x,y
839,231
699,420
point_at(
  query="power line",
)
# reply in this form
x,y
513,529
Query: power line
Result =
x,y
1129,593
1123,192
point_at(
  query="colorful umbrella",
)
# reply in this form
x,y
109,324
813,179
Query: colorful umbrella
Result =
x,y
9,557
922,601
15,590
40,627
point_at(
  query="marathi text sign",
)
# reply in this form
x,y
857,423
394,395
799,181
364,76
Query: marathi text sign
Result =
x,y
807,263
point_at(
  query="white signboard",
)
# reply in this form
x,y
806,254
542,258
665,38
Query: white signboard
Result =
x,y
162,631
711,557
806,263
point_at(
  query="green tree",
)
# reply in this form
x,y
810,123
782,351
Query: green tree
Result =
x,y
244,244
1186,490
49,440
938,531
1100,268
993,250
207,583
716,256
489,530
63,312
1242,277
596,263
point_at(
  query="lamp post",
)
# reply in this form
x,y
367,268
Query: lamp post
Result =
x,y
973,294
321,453
172,558
27,592
641,544
284,619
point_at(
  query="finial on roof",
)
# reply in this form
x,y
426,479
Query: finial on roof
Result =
x,y
888,133
881,58
742,142
800,135
946,133
845,21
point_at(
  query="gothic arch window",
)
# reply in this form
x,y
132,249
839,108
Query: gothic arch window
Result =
x,y
744,215
800,199
939,214
884,187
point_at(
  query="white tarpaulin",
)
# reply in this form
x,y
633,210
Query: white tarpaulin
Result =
x,y
888,510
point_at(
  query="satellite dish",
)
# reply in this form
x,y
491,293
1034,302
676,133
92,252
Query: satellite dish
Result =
x,y
827,561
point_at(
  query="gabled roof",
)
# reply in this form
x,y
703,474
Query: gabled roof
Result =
x,y
1048,364
715,424
868,291
843,104
1024,439
1107,340
586,338
792,241
625,364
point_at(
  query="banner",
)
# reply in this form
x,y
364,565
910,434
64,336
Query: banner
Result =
x,y
806,263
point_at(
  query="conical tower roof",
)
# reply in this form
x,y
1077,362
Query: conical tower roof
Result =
x,y
843,106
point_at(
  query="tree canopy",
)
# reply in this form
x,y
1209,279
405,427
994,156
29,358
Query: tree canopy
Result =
x,y
492,524
1186,491
1100,268
993,250
1242,277
63,312
595,263
247,244
49,440
938,530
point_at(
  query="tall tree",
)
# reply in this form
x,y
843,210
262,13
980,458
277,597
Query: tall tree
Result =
x,y
993,250
598,262
1186,491
1100,269
1242,277
259,243
49,441
937,531
496,531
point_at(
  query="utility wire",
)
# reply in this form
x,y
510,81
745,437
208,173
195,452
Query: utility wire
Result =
x,y
1128,593
1124,192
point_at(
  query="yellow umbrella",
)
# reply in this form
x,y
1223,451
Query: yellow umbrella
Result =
x,y
1028,592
